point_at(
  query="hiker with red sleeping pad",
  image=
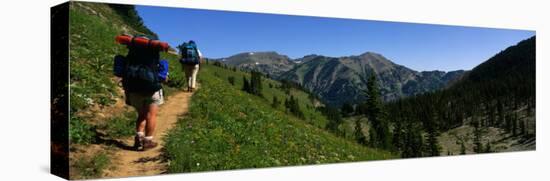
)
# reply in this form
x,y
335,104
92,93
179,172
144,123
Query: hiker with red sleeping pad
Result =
x,y
142,73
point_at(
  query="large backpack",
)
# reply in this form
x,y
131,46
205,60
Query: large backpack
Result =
x,y
189,54
141,70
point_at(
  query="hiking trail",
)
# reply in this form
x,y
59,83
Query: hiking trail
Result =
x,y
143,163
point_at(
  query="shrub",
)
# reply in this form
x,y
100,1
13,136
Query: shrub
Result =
x,y
81,132
231,80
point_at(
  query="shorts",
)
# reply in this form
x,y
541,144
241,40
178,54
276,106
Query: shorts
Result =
x,y
141,100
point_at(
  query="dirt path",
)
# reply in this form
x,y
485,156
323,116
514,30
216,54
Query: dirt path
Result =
x,y
133,163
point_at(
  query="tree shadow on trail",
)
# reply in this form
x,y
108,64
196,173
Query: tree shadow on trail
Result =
x,y
101,138
148,159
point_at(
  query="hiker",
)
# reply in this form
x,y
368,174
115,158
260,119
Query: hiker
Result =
x,y
190,59
142,73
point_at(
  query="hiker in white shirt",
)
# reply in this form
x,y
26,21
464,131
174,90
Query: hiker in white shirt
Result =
x,y
191,58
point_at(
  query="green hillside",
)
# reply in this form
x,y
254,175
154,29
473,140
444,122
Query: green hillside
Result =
x,y
94,90
93,28
271,88
227,128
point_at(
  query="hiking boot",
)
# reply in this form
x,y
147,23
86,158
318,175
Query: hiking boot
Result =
x,y
149,144
138,142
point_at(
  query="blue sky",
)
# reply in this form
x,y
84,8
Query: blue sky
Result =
x,y
417,46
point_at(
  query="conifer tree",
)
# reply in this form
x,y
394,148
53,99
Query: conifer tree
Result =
x,y
478,146
311,97
255,83
246,85
358,133
508,123
413,143
433,148
254,86
398,136
361,108
430,126
522,127
380,137
231,80
275,103
292,105
514,125
333,115
501,114
488,148
462,148
347,109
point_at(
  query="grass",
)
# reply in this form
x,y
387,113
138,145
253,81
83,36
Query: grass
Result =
x,y
121,126
80,132
176,78
311,115
227,128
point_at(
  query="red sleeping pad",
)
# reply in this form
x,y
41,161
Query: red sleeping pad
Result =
x,y
141,41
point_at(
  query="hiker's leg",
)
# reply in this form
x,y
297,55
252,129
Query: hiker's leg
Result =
x,y
194,76
140,129
148,142
190,82
140,122
136,101
157,100
151,119
188,75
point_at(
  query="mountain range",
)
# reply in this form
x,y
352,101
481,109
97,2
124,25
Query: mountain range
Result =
x,y
269,63
339,80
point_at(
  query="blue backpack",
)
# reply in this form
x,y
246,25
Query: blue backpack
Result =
x,y
189,54
119,67
163,69
141,73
